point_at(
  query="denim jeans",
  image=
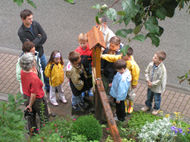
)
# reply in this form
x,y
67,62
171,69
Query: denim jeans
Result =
x,y
43,64
157,99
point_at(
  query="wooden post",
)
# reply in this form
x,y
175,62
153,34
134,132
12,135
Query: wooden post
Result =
x,y
96,42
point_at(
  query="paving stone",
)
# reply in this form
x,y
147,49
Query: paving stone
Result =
x,y
171,100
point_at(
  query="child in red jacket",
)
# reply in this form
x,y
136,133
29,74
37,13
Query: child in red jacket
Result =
x,y
86,59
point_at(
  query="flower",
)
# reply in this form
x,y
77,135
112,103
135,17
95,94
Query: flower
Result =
x,y
167,115
180,130
174,123
174,129
74,119
188,130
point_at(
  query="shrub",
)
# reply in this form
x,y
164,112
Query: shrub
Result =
x,y
12,125
159,130
58,130
139,119
89,127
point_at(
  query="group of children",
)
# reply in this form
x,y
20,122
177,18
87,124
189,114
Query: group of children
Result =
x,y
120,75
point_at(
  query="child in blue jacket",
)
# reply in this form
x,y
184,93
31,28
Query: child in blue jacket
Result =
x,y
120,85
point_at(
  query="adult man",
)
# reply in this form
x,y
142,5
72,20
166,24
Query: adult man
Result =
x,y
32,31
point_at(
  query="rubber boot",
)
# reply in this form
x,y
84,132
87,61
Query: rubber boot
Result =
x,y
130,110
126,106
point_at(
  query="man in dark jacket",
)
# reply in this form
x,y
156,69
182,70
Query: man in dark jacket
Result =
x,y
32,31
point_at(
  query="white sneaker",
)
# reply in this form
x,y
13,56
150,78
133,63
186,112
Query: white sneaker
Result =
x,y
155,112
54,103
145,108
63,99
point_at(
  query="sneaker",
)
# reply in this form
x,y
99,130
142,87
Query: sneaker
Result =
x,y
54,103
83,106
155,112
63,99
130,109
145,108
76,108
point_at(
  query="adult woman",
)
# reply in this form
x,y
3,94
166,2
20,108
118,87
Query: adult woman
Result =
x,y
32,88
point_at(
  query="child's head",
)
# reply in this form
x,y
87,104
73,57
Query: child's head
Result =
x,y
56,57
159,57
74,58
83,40
120,66
28,46
102,21
115,43
127,54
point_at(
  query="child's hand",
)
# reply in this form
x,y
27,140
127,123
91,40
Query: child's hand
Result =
x,y
110,84
117,102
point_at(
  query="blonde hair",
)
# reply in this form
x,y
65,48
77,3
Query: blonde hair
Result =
x,y
82,37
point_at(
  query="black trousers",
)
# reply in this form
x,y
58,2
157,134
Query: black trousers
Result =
x,y
39,107
120,110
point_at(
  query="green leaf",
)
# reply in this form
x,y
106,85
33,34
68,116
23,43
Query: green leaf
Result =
x,y
140,37
130,8
70,1
19,2
152,25
97,6
154,38
126,20
180,77
186,75
97,20
161,13
111,14
121,13
161,30
137,29
32,3
119,21
123,32
124,50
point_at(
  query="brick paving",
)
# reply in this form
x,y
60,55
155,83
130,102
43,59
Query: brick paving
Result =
x,y
173,99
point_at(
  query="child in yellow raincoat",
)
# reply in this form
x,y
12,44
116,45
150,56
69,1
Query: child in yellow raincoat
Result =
x,y
133,67
54,71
